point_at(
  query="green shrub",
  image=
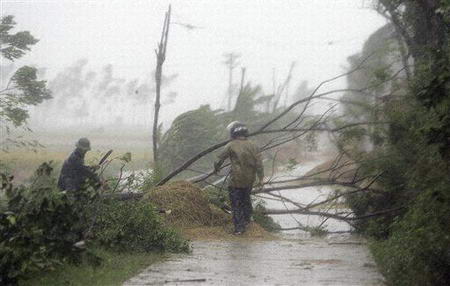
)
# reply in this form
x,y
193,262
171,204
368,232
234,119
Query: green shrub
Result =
x,y
135,225
412,246
39,228
418,250
150,178
218,196
317,230
261,218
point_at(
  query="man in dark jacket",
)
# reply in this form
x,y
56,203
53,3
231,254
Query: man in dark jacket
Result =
x,y
74,174
246,165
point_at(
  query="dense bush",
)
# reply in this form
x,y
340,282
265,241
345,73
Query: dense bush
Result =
x,y
39,228
418,249
412,244
409,213
218,196
264,220
135,225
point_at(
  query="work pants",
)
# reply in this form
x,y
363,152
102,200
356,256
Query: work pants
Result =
x,y
241,206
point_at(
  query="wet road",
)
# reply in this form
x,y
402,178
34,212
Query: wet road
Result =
x,y
294,259
277,262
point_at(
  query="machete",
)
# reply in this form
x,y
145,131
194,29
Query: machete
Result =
x,y
105,157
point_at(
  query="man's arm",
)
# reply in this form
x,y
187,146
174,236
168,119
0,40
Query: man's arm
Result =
x,y
221,158
259,166
86,172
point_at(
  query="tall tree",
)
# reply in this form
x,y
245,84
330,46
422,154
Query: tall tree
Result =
x,y
413,161
425,28
23,89
160,58
190,133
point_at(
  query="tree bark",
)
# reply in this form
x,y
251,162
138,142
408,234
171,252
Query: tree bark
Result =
x,y
160,58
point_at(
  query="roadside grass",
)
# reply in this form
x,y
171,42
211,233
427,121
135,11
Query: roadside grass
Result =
x,y
116,268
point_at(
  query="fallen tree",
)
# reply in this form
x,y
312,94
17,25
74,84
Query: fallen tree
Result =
x,y
343,174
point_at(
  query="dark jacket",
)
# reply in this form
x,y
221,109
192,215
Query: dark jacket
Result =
x,y
74,174
245,160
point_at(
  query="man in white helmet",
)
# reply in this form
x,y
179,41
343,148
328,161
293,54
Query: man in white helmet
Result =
x,y
246,166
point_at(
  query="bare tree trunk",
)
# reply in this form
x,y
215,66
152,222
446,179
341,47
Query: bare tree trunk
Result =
x,y
278,93
160,58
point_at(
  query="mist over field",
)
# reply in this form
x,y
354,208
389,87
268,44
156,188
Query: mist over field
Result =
x,y
98,56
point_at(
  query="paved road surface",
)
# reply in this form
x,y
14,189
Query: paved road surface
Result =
x,y
278,262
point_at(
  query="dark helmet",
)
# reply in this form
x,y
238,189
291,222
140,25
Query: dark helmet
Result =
x,y
237,129
83,144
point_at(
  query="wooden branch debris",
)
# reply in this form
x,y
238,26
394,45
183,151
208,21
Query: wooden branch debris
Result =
x,y
287,128
260,131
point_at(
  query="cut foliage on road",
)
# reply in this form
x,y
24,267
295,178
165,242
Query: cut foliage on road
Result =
x,y
197,218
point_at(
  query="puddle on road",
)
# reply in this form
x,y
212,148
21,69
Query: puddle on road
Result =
x,y
295,259
264,263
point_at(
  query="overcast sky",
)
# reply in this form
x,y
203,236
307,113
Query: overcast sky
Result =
x,y
318,35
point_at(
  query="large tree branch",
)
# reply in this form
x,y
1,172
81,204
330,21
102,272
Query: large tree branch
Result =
x,y
312,96
287,110
307,185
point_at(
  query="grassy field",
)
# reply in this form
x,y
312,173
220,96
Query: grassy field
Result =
x,y
115,269
23,163
57,147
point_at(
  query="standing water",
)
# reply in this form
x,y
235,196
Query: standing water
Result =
x,y
304,196
295,258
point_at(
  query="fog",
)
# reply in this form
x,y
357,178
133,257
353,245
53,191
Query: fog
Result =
x,y
98,56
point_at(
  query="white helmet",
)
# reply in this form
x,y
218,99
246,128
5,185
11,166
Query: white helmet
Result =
x,y
237,129
232,124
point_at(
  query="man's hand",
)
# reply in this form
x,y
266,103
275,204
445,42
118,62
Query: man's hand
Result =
x,y
95,167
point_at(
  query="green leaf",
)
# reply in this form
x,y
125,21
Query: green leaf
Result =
x,y
126,157
11,219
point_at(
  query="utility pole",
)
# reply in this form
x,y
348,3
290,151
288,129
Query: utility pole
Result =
x,y
231,62
274,88
288,81
160,58
241,90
